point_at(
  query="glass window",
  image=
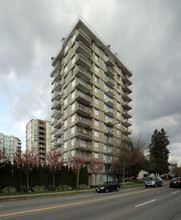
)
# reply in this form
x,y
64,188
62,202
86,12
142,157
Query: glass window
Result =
x,y
73,142
96,101
96,144
65,112
97,69
118,114
96,90
65,79
118,77
73,48
73,118
65,101
96,134
65,58
96,123
73,37
65,145
65,90
72,130
65,134
118,86
96,58
73,106
96,155
119,96
118,105
65,68
65,123
73,83
96,48
65,156
96,112
66,47
73,59
96,79
73,94
72,153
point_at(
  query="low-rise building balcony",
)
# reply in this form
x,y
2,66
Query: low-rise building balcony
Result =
x,y
82,36
83,49
82,73
109,81
82,97
83,86
83,110
82,61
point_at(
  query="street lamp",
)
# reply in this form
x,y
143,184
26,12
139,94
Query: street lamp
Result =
x,y
107,143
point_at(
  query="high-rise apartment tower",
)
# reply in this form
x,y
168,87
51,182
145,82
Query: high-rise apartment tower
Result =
x,y
38,137
11,145
91,98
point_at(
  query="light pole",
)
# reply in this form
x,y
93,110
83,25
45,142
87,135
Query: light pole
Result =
x,y
107,143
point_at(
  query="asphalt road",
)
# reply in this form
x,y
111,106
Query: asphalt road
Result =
x,y
138,203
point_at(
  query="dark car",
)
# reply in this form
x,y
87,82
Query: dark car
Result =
x,y
153,182
175,182
109,186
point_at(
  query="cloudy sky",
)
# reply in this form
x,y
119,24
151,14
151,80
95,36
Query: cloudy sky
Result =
x,y
145,34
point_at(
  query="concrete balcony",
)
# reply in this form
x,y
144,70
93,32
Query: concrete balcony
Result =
x,y
127,80
126,131
110,71
57,76
56,96
127,97
57,86
57,115
109,102
57,133
109,121
127,123
110,62
83,110
127,106
109,111
127,114
86,146
57,124
109,91
82,97
109,81
82,61
83,122
57,105
127,88
82,36
82,49
83,86
83,133
82,73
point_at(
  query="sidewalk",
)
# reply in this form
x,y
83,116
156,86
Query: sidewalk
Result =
x,y
45,194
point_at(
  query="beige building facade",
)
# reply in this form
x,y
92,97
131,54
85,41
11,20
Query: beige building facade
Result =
x,y
11,144
38,137
91,97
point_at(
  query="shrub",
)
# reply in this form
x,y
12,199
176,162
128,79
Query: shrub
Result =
x,y
39,189
83,186
9,189
64,187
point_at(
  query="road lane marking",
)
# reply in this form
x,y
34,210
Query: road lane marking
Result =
x,y
153,200
175,192
78,203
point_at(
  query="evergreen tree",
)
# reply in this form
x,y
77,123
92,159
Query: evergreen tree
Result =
x,y
159,153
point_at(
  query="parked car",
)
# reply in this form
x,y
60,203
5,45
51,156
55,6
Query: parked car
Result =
x,y
175,182
153,182
109,186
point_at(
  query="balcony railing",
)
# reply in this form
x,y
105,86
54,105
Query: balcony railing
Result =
x,y
83,120
84,34
58,132
84,108
79,93
78,80
79,68
84,46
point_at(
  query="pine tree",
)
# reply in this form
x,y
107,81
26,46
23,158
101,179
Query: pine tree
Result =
x,y
159,153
